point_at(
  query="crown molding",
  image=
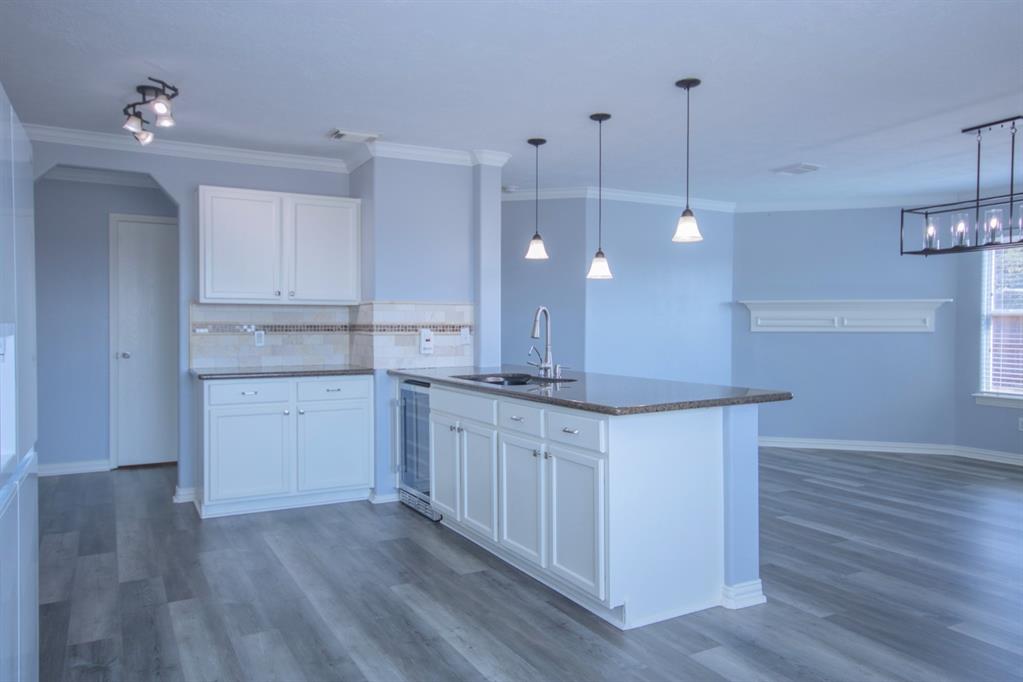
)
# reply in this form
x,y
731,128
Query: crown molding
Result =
x,y
485,157
613,194
101,177
411,152
186,150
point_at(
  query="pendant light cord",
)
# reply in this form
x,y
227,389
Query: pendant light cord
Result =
x,y
687,146
600,185
536,223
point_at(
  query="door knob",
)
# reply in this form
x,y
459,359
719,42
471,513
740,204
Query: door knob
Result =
x,y
125,355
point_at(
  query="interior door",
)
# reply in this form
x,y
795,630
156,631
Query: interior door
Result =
x,y
241,252
479,478
577,518
444,465
334,445
144,339
522,498
322,249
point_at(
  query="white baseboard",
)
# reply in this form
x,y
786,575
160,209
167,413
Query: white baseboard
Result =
x,y
184,494
383,499
745,594
893,447
83,467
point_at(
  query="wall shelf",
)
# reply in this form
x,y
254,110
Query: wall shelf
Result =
x,y
855,316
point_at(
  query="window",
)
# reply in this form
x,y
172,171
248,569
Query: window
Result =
x,y
1002,369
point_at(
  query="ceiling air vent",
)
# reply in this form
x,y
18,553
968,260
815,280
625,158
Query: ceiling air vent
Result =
x,y
796,169
350,136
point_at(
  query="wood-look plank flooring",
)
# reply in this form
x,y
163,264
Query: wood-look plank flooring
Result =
x,y
876,567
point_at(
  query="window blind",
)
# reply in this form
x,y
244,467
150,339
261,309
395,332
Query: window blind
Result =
x,y
1002,368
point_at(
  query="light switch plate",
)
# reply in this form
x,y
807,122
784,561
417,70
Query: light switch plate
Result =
x,y
426,341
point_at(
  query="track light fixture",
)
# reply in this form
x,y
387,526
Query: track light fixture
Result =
x,y
156,98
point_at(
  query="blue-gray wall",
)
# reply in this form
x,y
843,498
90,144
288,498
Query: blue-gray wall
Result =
x,y
73,312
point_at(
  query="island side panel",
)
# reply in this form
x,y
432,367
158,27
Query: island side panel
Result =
x,y
742,508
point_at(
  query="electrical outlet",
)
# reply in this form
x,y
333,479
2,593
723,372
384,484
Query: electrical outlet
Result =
x,y
426,341
1021,423
260,337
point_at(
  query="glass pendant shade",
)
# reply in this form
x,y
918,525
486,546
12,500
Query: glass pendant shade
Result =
x,y
161,105
687,230
133,124
144,137
536,250
599,268
164,121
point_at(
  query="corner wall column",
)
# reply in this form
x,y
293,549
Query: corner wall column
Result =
x,y
486,175
742,508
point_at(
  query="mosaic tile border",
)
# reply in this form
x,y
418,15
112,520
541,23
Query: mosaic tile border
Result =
x,y
207,328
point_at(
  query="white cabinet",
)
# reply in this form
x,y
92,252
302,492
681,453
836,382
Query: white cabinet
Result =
x,y
275,443
334,445
274,247
523,498
28,582
9,590
478,444
444,465
577,518
250,450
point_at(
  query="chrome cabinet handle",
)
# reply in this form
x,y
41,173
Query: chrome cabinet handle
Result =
x,y
536,453
461,430
287,412
125,356
277,293
574,432
249,392
515,418
334,390
452,428
546,455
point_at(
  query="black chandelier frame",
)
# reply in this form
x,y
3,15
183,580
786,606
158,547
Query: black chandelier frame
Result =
x,y
149,93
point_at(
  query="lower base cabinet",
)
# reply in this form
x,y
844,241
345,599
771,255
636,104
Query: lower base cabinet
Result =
x,y
523,498
279,443
19,575
478,445
444,465
577,518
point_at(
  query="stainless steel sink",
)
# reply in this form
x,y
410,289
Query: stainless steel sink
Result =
x,y
510,379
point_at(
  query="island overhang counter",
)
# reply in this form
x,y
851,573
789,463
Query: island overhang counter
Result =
x,y
636,498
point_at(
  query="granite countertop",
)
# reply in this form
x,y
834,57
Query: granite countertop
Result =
x,y
277,372
603,393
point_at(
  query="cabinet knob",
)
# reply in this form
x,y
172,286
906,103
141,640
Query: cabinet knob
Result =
x,y
452,428
461,430
546,455
291,293
277,293
287,412
301,411
536,453
125,356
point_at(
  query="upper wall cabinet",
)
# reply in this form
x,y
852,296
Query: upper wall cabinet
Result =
x,y
272,247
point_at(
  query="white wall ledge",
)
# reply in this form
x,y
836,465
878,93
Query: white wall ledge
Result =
x,y
999,400
893,315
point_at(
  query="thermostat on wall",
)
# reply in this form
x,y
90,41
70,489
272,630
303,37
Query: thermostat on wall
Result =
x,y
426,342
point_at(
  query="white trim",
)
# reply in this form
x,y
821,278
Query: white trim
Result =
x,y
101,177
211,510
383,499
83,467
187,150
183,494
999,400
485,157
893,448
409,152
612,194
741,595
909,315
112,302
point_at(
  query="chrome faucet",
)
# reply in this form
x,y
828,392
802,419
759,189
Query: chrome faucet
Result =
x,y
546,362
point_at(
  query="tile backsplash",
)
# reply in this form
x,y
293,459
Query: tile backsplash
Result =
x,y
376,334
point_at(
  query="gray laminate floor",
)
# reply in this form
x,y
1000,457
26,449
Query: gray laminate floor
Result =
x,y
876,568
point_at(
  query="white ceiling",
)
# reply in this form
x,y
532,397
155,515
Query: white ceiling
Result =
x,y
875,92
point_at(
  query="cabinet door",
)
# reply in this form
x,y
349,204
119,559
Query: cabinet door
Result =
x,y
9,590
241,254
478,492
250,451
444,465
577,518
522,498
334,445
28,578
321,249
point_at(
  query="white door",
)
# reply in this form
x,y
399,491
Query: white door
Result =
x,y
250,451
144,340
522,498
577,518
444,465
334,448
242,245
321,249
479,478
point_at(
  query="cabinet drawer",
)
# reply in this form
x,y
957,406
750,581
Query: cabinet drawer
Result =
x,y
250,392
521,418
474,407
341,388
573,429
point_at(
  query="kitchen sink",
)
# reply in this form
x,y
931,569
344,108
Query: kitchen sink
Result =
x,y
510,379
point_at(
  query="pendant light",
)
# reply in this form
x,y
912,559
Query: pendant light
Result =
x,y
536,250
686,230
599,268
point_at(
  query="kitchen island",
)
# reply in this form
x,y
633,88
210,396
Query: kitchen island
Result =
x,y
636,498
